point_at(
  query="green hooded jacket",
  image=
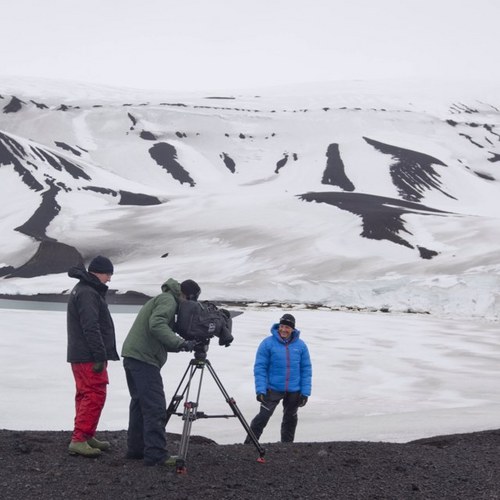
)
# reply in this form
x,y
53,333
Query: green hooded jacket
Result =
x,y
151,336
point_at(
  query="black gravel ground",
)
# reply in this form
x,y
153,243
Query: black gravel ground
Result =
x,y
36,465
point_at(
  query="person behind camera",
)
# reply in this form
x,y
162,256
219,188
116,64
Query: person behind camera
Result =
x,y
145,351
282,372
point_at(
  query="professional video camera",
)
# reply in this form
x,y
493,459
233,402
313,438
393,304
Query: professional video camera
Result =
x,y
202,320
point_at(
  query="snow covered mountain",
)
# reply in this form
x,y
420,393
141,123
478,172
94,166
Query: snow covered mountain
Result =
x,y
358,195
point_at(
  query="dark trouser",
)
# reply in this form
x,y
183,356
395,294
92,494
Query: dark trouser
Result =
x,y
291,402
147,413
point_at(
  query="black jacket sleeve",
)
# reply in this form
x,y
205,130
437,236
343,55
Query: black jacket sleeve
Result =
x,y
88,305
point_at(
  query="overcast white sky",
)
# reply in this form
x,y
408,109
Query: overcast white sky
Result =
x,y
224,44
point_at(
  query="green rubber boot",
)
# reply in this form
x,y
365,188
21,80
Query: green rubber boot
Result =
x,y
100,445
83,448
171,461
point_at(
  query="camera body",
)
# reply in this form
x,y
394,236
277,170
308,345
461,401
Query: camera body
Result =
x,y
200,321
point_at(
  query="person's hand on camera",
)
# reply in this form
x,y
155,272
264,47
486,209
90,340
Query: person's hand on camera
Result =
x,y
188,345
303,400
261,398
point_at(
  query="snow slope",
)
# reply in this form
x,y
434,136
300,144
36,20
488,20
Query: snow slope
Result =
x,y
365,195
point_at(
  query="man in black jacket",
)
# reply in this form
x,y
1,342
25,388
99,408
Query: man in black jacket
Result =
x,y
91,343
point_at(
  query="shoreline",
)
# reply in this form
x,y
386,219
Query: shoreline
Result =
x,y
133,298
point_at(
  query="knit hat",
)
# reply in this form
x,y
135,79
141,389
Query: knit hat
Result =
x,y
101,264
190,289
288,320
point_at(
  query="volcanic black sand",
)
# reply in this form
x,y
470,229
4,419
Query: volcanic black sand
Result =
x,y
35,464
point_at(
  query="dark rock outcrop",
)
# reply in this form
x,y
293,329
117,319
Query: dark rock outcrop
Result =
x,y
51,257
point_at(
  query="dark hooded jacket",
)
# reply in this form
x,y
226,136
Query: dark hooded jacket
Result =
x,y
152,336
91,332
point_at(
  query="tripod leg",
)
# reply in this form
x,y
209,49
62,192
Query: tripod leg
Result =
x,y
236,411
179,396
189,415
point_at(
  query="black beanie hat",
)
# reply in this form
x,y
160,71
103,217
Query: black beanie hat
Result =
x,y
288,320
190,289
101,264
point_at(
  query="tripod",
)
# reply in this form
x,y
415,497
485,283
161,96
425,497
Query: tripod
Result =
x,y
191,412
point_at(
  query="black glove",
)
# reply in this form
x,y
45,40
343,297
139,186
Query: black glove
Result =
x,y
188,345
261,398
98,366
302,400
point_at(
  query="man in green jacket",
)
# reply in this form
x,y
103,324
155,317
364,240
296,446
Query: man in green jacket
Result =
x,y
145,351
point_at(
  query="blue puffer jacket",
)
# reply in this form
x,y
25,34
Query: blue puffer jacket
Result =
x,y
283,366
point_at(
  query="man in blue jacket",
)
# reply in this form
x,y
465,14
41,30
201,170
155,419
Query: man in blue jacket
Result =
x,y
282,372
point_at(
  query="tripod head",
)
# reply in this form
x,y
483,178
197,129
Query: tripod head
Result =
x,y
201,348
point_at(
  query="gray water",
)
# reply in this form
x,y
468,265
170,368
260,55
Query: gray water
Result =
x,y
33,305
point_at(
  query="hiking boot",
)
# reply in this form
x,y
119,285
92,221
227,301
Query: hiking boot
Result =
x,y
83,448
170,461
100,445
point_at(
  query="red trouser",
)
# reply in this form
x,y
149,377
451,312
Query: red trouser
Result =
x,y
89,399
